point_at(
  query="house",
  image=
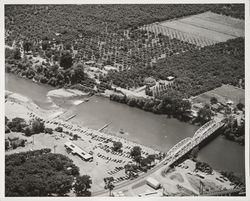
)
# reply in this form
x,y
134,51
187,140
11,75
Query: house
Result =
x,y
197,106
118,194
108,68
193,113
170,78
149,81
216,107
90,62
75,150
229,102
13,136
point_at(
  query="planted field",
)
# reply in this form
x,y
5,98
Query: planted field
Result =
x,y
202,30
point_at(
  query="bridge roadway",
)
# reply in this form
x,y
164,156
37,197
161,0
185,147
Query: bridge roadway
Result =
x,y
175,153
208,129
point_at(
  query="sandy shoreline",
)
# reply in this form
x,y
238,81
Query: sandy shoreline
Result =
x,y
66,93
93,140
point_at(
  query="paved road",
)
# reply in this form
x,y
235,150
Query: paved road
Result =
x,y
144,175
129,182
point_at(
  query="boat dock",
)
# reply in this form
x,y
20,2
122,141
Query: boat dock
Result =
x,y
105,126
72,116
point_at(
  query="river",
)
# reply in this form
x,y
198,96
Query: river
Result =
x,y
147,128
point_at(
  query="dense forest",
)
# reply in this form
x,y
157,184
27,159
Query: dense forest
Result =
x,y
38,173
42,173
38,21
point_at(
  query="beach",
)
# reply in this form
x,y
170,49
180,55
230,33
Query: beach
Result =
x,y
105,161
66,93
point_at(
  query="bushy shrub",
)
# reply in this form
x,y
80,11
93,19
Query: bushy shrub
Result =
x,y
59,129
48,130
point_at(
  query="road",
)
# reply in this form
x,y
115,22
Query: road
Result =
x,y
134,181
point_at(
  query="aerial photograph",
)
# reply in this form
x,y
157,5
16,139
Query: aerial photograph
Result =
x,y
124,100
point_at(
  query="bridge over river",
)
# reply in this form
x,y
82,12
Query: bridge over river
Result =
x,y
176,152
187,144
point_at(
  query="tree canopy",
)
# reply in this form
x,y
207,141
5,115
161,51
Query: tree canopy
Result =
x,y
117,146
82,185
66,60
38,173
135,152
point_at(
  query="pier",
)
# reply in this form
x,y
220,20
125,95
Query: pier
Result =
x,y
105,126
72,116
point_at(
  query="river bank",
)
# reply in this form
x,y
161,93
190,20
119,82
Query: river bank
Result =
x,y
100,144
139,126
20,106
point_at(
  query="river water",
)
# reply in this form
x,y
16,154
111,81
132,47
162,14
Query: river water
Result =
x,y
146,128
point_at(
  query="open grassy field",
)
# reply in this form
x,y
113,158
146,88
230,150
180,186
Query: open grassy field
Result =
x,y
223,94
202,30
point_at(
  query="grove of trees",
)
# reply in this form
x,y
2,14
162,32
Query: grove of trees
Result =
x,y
39,173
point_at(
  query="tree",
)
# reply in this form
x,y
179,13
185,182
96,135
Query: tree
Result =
x,y
213,100
204,114
48,53
66,60
48,130
151,157
82,185
117,146
75,137
7,144
17,124
38,173
240,106
45,45
6,120
77,74
7,129
17,54
109,184
148,91
37,126
27,131
136,152
59,129
27,46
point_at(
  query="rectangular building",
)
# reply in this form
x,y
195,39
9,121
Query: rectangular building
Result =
x,y
78,151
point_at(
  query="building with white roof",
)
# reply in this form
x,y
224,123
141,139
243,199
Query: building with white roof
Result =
x,y
78,151
153,183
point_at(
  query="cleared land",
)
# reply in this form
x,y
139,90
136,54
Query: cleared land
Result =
x,y
202,30
223,94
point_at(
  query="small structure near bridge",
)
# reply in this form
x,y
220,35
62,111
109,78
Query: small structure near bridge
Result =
x,y
153,183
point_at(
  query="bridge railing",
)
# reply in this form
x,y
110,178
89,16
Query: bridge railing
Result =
x,y
178,145
176,152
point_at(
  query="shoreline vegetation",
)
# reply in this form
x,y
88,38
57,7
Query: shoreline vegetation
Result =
x,y
110,55
48,115
50,126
